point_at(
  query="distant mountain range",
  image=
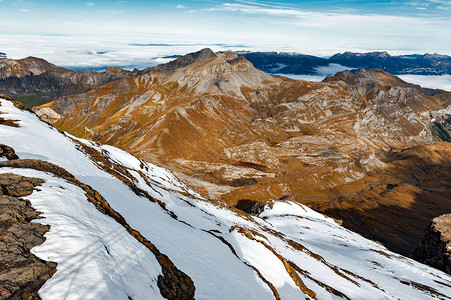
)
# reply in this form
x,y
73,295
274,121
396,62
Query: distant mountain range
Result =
x,y
295,63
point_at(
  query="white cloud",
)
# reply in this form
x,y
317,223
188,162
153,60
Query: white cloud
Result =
x,y
440,1
377,24
331,69
23,10
268,28
90,3
316,78
434,82
180,6
441,4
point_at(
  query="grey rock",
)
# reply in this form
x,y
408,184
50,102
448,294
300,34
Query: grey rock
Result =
x,y
435,248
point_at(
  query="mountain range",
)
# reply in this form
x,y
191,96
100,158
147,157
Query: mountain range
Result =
x,y
296,63
235,133
240,166
34,81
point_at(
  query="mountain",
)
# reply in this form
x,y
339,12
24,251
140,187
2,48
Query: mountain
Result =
x,y
27,66
285,63
117,227
235,133
296,63
35,81
427,64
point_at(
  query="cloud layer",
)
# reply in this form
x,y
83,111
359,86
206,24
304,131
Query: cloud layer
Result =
x,y
132,33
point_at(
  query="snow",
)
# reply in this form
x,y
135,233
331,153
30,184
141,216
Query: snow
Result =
x,y
97,258
191,239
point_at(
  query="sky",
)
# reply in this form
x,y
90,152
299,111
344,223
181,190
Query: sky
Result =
x,y
95,34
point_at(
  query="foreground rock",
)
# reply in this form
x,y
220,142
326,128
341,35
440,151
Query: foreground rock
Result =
x,y
173,284
21,273
435,248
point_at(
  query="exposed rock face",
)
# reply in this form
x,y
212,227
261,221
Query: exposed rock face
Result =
x,y
183,61
33,76
27,66
21,273
396,203
435,248
7,152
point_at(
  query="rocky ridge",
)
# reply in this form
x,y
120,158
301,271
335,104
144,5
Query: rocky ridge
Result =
x,y
21,273
227,100
173,284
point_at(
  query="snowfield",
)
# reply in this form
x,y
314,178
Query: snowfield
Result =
x,y
288,251
97,258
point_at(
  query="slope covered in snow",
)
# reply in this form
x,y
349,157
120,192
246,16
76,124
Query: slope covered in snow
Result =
x,y
287,252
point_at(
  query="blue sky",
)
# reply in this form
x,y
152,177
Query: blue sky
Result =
x,y
109,32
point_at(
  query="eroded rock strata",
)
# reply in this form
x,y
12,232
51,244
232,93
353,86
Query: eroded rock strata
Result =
x,y
21,273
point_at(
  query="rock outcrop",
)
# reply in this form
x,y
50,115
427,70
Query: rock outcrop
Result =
x,y
173,284
21,273
7,152
435,248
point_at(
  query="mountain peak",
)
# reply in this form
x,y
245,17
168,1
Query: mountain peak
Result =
x,y
204,55
37,65
376,76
